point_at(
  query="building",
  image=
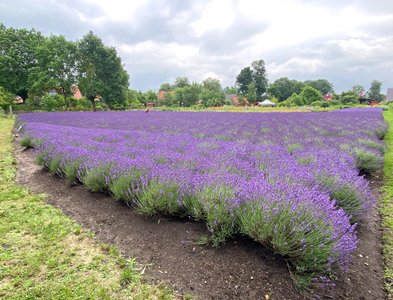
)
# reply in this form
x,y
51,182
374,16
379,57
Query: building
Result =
x,y
76,93
389,94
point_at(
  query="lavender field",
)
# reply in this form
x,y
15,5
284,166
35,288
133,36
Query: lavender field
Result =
x,y
291,181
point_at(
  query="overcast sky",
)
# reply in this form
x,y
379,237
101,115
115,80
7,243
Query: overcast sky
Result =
x,y
346,42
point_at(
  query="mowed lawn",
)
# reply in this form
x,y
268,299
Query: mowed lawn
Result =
x,y
46,255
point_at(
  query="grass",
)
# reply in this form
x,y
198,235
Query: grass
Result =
x,y
387,206
46,255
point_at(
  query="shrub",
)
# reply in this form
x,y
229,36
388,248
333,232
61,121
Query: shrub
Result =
x,y
26,142
302,234
159,197
367,161
96,179
347,197
52,103
127,187
219,213
71,171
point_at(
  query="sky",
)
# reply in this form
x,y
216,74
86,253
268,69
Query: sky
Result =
x,y
346,42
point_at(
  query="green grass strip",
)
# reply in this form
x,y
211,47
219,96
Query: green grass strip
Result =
x,y
46,255
387,206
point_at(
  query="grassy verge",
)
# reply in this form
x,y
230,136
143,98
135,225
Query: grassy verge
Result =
x,y
387,206
46,255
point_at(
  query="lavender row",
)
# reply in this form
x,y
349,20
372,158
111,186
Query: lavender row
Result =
x,y
289,181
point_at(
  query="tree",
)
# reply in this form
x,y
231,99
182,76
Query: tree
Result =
x,y
166,87
188,95
259,77
310,95
101,72
255,74
283,88
230,90
358,90
181,82
349,97
321,85
243,80
133,99
374,92
212,93
6,98
252,93
56,67
17,57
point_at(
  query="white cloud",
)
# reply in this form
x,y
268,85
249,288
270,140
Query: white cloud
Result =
x,y
217,14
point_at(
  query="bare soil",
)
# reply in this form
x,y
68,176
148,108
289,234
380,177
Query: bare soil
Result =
x,y
239,269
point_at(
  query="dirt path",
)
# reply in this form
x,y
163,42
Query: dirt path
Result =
x,y
240,269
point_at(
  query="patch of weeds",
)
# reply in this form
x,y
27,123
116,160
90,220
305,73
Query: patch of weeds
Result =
x,y
130,273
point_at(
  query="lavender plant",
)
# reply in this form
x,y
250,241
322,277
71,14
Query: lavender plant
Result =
x,y
290,181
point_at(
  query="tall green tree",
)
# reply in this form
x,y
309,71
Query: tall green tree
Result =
x,y
283,88
17,57
243,80
56,67
101,72
322,85
259,77
374,92
256,74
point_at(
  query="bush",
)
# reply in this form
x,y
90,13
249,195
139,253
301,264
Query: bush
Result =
x,y
96,179
52,103
26,142
127,187
347,197
159,197
367,161
277,227
221,219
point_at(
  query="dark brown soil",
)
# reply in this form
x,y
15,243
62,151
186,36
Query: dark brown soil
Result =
x,y
239,269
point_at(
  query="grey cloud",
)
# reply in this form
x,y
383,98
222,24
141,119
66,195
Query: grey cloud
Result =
x,y
230,40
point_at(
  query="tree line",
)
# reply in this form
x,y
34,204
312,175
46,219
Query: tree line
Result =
x,y
43,69
32,65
